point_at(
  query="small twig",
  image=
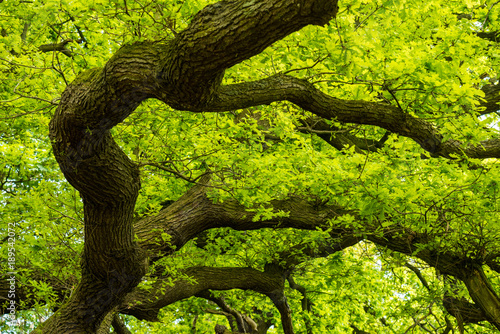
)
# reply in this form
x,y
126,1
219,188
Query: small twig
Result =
x,y
359,24
22,65
35,98
80,33
395,99
176,173
26,113
488,15
419,275
59,70
64,215
319,60
338,32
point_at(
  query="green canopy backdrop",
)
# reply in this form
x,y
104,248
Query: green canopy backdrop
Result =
x,y
249,166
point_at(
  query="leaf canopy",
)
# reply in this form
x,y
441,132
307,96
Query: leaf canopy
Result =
x,y
356,161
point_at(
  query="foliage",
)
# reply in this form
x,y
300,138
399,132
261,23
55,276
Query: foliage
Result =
x,y
428,60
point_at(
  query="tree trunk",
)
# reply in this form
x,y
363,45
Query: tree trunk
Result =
x,y
184,73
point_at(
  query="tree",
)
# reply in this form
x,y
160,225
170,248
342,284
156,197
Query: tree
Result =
x,y
289,148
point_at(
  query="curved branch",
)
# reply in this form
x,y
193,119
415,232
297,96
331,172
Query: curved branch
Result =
x,y
419,275
226,33
206,278
145,304
483,294
183,73
194,213
300,92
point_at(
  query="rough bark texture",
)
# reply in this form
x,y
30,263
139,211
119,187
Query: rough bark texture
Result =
x,y
483,294
283,87
145,305
203,214
308,215
186,73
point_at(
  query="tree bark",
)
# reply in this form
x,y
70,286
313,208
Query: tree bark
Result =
x,y
145,305
183,73
201,214
483,294
186,73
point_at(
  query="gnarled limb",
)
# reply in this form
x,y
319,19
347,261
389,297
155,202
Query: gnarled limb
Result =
x,y
182,225
186,73
397,239
183,72
300,92
146,304
404,241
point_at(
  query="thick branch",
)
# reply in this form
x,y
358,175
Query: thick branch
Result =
x,y
287,261
145,304
483,294
305,95
226,33
182,225
184,216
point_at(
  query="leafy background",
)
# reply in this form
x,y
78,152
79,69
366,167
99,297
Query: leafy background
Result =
x,y
418,56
